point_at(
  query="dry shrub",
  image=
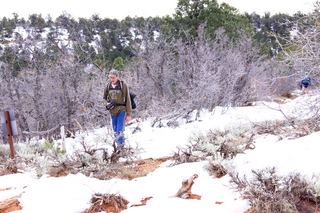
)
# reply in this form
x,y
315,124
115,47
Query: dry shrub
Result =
x,y
269,192
216,144
7,166
186,155
107,202
216,169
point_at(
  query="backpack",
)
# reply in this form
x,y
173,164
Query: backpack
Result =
x,y
132,95
306,81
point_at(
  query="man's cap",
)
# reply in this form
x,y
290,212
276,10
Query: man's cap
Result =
x,y
113,73
306,72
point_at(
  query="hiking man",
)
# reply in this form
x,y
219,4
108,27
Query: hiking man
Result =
x,y
117,100
306,82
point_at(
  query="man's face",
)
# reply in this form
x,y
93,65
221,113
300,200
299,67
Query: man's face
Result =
x,y
114,80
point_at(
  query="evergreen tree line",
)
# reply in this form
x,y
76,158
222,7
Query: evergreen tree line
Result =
x,y
205,55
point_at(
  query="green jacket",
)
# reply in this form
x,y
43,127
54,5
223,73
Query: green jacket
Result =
x,y
119,96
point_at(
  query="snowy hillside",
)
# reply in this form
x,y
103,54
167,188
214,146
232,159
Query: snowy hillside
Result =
x,y
72,193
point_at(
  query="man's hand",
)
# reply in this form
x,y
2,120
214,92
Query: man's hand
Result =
x,y
128,118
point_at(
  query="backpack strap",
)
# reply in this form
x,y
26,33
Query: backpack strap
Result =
x,y
107,91
121,87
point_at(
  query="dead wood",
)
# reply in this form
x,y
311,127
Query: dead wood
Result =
x,y
185,191
10,205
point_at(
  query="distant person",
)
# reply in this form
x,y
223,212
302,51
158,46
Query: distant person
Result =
x,y
117,100
306,83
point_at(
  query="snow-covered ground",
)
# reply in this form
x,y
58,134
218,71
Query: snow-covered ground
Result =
x,y
72,193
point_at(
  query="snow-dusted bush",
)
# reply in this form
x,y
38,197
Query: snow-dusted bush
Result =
x,y
215,145
4,150
268,191
226,143
90,154
216,168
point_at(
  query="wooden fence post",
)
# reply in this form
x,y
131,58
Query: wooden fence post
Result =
x,y
9,131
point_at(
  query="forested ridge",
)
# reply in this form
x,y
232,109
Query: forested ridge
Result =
x,y
52,72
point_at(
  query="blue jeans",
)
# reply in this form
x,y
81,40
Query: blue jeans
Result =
x,y
118,123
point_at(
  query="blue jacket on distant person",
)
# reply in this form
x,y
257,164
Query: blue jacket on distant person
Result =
x,y
306,81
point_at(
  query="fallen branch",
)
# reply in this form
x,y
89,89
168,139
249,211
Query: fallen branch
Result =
x,y
42,132
185,191
10,204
